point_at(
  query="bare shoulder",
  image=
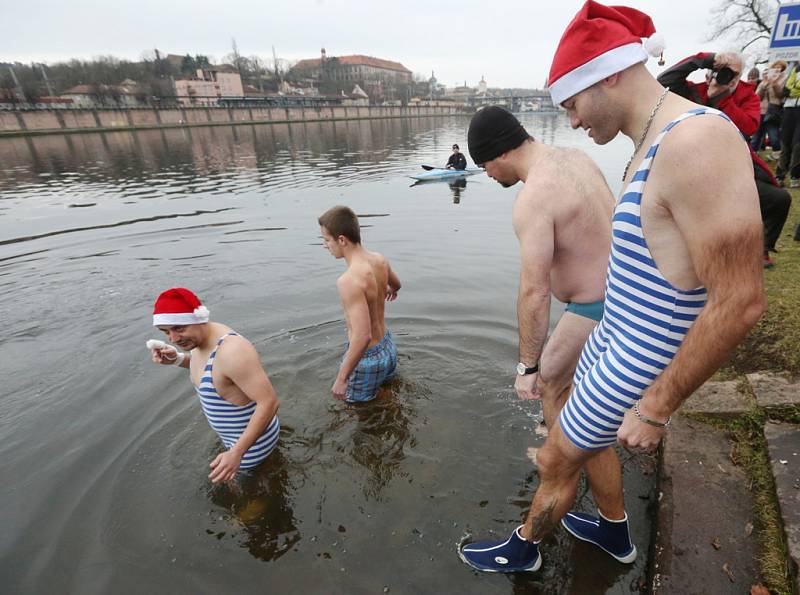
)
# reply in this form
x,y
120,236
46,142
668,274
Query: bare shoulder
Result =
x,y
702,154
534,206
571,171
350,283
543,183
562,174
377,259
709,138
235,351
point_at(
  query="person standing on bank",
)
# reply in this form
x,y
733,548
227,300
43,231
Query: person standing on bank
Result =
x,y
789,163
737,100
684,280
770,91
456,160
225,370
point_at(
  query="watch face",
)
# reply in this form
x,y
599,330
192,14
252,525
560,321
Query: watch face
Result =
x,y
521,369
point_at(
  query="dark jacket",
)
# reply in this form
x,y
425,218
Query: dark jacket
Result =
x,y
457,161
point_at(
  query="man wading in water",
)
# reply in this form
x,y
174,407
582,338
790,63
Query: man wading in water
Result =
x,y
225,370
684,281
562,219
368,282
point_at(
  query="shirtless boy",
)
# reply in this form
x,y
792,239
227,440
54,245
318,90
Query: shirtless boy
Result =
x,y
225,370
684,280
368,282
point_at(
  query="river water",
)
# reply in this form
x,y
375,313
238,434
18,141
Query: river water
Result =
x,y
105,455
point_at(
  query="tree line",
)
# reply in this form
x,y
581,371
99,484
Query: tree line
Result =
x,y
153,75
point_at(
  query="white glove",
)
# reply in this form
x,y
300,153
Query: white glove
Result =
x,y
156,344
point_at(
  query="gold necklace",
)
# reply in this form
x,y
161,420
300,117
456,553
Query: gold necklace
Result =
x,y
645,131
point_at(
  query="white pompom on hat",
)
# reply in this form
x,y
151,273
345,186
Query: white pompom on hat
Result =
x,y
178,307
600,41
655,44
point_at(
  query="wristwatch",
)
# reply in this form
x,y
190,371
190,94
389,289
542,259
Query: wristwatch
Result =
x,y
524,370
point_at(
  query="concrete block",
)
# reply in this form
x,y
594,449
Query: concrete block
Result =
x,y
772,390
719,399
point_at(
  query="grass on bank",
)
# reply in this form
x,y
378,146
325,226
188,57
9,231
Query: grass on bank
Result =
x,y
774,346
751,455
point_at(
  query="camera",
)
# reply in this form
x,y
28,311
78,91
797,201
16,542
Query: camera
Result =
x,y
723,75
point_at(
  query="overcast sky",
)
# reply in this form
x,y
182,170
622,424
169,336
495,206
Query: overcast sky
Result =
x,y
511,42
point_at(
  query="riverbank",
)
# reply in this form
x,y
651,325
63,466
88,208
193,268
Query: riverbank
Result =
x,y
39,122
723,528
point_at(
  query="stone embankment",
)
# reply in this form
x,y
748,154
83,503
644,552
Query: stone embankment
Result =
x,y
32,122
710,533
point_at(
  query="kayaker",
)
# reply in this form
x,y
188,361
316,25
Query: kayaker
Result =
x,y
457,159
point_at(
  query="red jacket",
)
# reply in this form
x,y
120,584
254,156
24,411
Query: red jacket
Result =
x,y
742,106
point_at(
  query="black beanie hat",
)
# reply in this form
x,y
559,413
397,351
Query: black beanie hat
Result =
x,y
493,131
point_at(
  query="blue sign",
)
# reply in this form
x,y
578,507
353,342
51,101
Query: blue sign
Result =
x,y
785,41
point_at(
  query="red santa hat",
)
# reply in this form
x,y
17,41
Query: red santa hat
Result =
x,y
600,41
178,307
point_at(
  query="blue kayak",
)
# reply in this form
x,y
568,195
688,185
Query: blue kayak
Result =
x,y
446,174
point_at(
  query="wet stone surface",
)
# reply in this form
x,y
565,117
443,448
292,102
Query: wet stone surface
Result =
x,y
704,539
783,441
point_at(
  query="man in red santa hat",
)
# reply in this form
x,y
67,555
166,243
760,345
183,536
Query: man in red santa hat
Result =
x,y
684,281
225,370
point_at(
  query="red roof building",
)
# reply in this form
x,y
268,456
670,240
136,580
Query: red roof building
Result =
x,y
354,68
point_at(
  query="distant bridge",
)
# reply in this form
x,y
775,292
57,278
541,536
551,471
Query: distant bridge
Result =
x,y
535,101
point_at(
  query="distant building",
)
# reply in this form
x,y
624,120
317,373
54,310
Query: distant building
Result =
x,y
209,85
174,60
381,79
126,95
353,68
460,93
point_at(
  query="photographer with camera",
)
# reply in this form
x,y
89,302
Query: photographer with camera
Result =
x,y
724,90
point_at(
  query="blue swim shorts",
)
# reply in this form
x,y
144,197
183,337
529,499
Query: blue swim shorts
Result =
x,y
593,311
376,366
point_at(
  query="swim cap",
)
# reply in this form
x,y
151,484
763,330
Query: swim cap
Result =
x,y
494,131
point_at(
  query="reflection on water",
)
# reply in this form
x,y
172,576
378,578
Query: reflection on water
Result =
x,y
257,510
379,437
356,498
457,187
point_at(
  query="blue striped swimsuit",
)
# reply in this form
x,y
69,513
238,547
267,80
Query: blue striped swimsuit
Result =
x,y
229,421
644,323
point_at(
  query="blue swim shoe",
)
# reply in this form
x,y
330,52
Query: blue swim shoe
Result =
x,y
514,554
611,536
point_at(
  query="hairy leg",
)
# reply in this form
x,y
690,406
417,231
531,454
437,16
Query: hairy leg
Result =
x,y
560,464
558,362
